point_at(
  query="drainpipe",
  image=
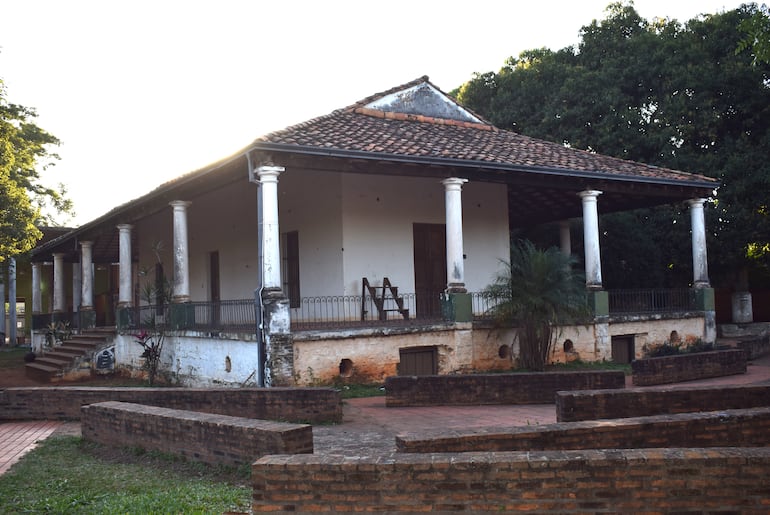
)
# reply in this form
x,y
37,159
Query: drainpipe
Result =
x,y
258,306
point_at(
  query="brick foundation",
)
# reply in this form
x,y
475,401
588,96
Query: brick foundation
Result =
x,y
727,428
304,405
477,389
688,367
637,402
616,481
206,437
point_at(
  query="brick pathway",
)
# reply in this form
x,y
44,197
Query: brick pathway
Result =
x,y
18,438
369,427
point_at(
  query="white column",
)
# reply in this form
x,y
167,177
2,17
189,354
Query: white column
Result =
x,y
271,236
124,293
87,275
565,239
591,239
700,271
455,267
77,286
181,287
59,301
37,299
12,301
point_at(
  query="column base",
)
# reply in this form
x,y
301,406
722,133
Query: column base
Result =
x,y
87,318
457,307
182,315
279,341
125,316
599,303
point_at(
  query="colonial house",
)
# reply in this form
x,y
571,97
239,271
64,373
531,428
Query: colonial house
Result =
x,y
357,244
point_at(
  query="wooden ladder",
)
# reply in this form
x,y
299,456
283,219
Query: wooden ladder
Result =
x,y
379,295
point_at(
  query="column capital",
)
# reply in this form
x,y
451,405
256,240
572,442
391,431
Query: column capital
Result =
x,y
696,202
58,255
124,227
589,194
86,244
453,183
180,205
269,173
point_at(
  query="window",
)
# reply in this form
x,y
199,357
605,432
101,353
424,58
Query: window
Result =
x,y
290,268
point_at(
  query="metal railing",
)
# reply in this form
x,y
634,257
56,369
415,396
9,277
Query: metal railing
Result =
x,y
329,312
217,316
640,302
359,311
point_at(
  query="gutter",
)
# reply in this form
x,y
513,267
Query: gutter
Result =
x,y
475,165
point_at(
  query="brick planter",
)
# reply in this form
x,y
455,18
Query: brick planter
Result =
x,y
688,367
483,389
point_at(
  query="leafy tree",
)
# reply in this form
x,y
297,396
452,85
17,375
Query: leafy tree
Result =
x,y
24,199
538,291
662,93
757,34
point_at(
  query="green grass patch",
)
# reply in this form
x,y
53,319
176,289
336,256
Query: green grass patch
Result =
x,y
355,391
66,474
591,365
12,357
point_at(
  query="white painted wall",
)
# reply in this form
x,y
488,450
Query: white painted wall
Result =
x,y
310,203
378,217
196,360
224,220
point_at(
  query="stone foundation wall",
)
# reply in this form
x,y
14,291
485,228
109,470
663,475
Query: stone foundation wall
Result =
x,y
726,428
475,389
613,481
637,402
688,367
205,437
306,405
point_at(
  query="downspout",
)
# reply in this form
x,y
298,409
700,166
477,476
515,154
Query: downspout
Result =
x,y
258,306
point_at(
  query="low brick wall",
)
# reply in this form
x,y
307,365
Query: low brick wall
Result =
x,y
206,437
613,481
728,428
755,347
303,405
638,402
476,389
688,367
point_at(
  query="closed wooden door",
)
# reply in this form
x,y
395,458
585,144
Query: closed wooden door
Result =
x,y
418,361
429,268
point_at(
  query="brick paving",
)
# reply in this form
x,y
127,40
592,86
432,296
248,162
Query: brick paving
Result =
x,y
18,438
369,427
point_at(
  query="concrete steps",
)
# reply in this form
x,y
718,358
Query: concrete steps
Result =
x,y
54,364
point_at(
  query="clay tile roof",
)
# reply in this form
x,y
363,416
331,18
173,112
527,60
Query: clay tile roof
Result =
x,y
417,120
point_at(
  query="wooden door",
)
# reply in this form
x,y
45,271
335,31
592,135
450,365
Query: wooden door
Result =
x,y
623,349
429,268
418,361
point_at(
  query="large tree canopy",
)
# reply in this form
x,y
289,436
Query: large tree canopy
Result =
x,y
25,201
663,93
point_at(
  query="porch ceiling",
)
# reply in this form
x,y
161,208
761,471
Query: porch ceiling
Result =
x,y
535,196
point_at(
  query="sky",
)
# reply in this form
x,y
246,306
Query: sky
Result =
x,y
144,91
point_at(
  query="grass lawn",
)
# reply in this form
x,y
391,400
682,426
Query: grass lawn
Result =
x,y
66,474
12,357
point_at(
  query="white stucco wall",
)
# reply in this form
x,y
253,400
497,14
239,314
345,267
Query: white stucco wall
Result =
x,y
196,360
310,203
378,217
224,220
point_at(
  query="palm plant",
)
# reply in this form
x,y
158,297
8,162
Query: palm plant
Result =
x,y
538,291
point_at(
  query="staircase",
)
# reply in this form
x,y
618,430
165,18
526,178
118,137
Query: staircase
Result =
x,y
61,360
385,298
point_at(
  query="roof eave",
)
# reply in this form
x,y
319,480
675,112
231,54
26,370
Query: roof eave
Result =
x,y
477,165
